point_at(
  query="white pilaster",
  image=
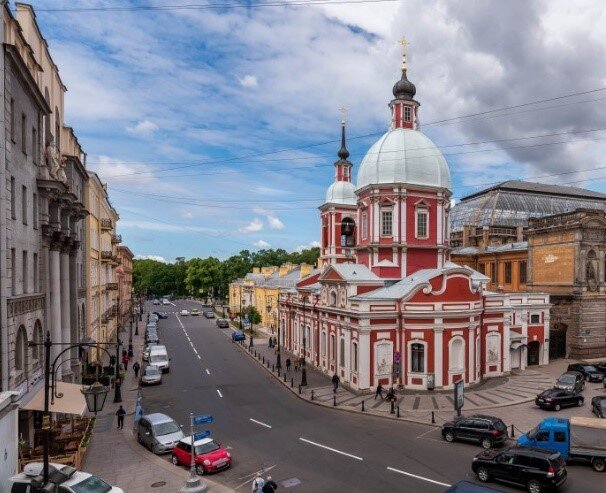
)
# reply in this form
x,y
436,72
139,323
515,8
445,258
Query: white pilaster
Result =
x,y
507,344
471,344
364,360
55,300
65,311
438,354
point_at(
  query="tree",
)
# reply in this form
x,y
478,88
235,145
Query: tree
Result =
x,y
253,314
203,276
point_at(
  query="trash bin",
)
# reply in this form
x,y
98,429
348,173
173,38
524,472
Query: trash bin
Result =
x,y
431,381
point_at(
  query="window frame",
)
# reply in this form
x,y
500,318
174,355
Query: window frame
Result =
x,y
24,133
24,204
342,352
354,353
13,198
523,271
364,225
421,212
384,212
416,349
407,116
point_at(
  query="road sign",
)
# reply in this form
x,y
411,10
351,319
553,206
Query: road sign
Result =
x,y
203,418
201,434
459,396
397,357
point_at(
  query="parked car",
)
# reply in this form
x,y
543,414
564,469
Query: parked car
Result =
x,y
571,380
153,317
601,367
222,323
469,487
184,313
238,335
165,302
151,337
574,438
158,356
158,432
161,315
209,314
147,350
151,375
556,399
590,372
534,468
156,302
209,456
67,478
488,431
598,406
195,312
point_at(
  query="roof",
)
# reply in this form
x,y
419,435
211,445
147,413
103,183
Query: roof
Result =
x,y
156,418
353,272
507,247
533,187
202,441
341,192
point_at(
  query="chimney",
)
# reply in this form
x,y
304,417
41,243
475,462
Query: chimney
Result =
x,y
520,233
485,231
306,269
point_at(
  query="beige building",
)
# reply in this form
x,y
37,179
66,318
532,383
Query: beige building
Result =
x,y
102,259
125,282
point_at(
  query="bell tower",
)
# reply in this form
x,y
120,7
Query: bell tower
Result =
x,y
404,108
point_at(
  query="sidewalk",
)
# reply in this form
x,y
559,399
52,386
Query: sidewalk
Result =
x,y
115,455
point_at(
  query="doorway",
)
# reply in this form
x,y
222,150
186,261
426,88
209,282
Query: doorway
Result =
x,y
534,351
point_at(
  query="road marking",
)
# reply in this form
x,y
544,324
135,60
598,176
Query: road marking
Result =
x,y
422,478
220,394
195,350
207,372
253,475
330,448
260,423
200,357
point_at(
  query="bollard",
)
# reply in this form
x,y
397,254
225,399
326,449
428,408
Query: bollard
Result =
x,y
263,363
391,408
362,406
334,400
312,394
433,418
284,377
299,389
272,367
512,432
292,383
398,412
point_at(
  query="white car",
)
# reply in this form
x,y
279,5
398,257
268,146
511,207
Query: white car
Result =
x,y
68,479
184,313
156,302
165,302
151,376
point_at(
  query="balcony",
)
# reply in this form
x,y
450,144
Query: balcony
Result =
x,y
107,256
106,224
112,286
116,239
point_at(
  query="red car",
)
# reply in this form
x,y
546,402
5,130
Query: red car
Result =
x,y
209,455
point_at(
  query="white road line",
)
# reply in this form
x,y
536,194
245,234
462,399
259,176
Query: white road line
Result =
x,y
207,372
220,394
260,423
422,478
200,357
195,351
331,449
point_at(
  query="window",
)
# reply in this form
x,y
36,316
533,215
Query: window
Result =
x,y
24,273
456,354
535,318
38,350
354,355
523,272
559,436
23,133
13,199
417,358
13,272
342,353
386,222
507,266
482,268
24,204
542,436
21,351
35,211
12,119
333,348
407,114
422,216
35,269
333,298
493,272
364,225
34,145
323,344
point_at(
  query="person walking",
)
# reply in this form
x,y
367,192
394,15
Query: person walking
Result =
x,y
379,392
287,364
391,395
335,383
136,368
270,485
125,360
120,413
257,484
270,343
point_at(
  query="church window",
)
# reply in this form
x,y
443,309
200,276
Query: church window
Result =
x,y
407,114
456,354
354,355
364,225
333,348
422,223
386,222
507,269
535,318
342,353
417,358
333,298
523,272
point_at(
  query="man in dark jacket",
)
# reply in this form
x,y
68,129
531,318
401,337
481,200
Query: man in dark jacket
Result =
x,y
270,486
120,413
136,368
335,383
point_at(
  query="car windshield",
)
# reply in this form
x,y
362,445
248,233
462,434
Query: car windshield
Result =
x,y
93,484
157,358
500,426
531,434
166,428
567,379
602,402
150,370
589,368
207,447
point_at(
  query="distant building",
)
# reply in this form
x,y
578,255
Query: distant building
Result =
x,y
124,273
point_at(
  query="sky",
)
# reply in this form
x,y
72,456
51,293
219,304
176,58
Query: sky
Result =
x,y
216,129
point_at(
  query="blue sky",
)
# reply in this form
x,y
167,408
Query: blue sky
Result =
x,y
183,112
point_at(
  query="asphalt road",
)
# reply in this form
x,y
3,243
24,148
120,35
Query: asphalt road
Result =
x,y
318,449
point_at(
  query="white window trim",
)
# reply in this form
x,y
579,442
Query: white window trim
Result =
x,y
409,354
342,355
382,233
364,228
404,113
460,369
355,357
425,211
530,322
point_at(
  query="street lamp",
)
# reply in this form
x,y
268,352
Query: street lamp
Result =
x,y
95,395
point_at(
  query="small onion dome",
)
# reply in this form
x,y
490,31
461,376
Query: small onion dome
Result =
x,y
341,192
404,89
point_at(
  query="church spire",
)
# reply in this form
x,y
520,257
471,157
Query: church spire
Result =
x,y
404,107
343,152
343,166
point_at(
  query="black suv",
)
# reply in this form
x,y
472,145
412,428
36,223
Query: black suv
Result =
x,y
590,372
488,431
536,469
556,399
571,380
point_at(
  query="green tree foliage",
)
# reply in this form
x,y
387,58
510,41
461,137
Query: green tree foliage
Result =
x,y
157,278
203,276
253,314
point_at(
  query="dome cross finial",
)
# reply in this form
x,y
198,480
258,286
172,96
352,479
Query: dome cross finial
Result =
x,y
404,42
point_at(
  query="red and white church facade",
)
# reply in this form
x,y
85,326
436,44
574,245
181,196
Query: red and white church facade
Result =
x,y
387,305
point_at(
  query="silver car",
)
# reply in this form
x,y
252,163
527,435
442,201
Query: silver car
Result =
x,y
151,376
158,432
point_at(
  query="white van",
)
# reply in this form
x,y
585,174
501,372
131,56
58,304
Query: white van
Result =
x,y
159,356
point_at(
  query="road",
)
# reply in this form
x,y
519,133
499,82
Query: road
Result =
x,y
318,449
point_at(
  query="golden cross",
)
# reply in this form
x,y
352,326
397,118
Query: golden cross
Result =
x,y
343,110
404,42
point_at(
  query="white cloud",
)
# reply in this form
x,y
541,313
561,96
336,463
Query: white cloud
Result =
x,y
262,244
274,222
157,258
165,227
253,227
143,128
248,81
311,244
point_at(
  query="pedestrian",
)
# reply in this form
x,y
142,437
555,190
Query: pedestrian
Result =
x,y
120,413
335,383
269,344
287,364
379,392
270,485
136,368
391,395
125,361
257,484
275,342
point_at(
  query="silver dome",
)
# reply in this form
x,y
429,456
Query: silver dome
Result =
x,y
341,192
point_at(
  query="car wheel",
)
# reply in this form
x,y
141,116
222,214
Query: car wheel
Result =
x,y
580,402
533,486
139,438
557,407
598,464
483,474
449,436
199,469
174,460
486,443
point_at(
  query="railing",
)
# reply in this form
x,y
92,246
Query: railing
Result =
x,y
116,239
112,285
106,224
107,255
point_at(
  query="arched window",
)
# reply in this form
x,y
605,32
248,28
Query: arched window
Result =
x,y
456,356
21,351
417,358
333,298
354,355
342,352
38,350
333,348
323,344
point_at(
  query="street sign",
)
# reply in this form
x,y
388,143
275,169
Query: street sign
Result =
x,y
201,434
203,418
397,357
459,396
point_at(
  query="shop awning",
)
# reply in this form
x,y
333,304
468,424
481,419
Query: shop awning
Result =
x,y
72,402
515,345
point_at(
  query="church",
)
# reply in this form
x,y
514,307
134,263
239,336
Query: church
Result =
x,y
387,305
